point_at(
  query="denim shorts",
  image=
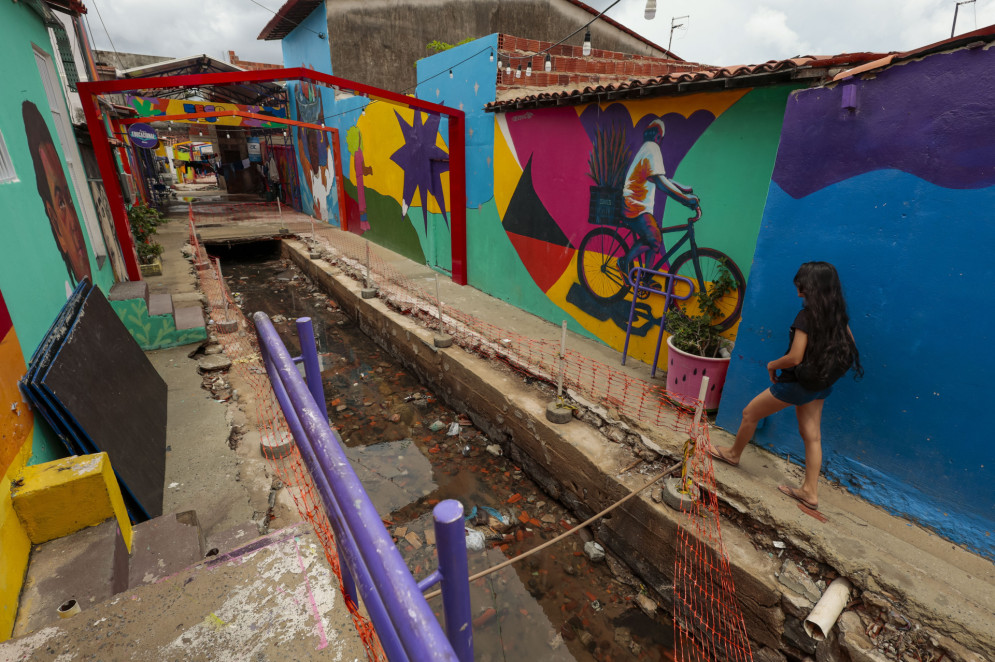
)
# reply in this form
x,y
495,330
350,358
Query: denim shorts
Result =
x,y
795,394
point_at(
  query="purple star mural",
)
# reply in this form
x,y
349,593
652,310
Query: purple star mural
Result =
x,y
422,162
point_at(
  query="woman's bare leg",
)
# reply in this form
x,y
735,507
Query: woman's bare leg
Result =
x,y
810,427
759,408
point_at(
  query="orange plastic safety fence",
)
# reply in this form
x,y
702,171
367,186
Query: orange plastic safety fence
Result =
x,y
708,619
240,346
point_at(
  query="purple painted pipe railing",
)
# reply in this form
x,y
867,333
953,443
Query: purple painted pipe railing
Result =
x,y
373,566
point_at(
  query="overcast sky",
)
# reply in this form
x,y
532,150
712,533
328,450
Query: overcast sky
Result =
x,y
723,32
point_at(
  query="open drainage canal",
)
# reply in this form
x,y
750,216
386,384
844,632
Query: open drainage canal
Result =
x,y
411,451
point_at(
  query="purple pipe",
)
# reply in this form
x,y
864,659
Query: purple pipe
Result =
x,y
450,537
312,367
418,630
344,544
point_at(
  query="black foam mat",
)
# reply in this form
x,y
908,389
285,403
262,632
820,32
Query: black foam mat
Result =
x,y
112,397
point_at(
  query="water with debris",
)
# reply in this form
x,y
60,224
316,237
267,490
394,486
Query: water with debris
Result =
x,y
411,451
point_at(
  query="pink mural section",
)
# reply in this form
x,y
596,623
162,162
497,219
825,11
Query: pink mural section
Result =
x,y
557,146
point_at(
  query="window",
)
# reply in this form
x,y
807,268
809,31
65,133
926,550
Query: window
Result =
x,y
7,173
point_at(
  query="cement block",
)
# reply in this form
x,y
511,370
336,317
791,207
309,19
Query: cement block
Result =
x,y
189,318
164,546
160,304
135,289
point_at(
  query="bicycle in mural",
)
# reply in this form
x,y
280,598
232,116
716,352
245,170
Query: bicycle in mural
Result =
x,y
601,258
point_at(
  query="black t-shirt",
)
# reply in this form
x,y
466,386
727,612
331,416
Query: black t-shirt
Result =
x,y
802,323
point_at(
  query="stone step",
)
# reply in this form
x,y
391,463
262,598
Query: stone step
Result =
x,y
88,566
190,317
160,304
164,546
135,289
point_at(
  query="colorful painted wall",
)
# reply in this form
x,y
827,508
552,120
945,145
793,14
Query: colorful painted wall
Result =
x,y
721,145
44,250
898,193
314,104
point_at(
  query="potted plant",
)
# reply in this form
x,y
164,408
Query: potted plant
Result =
x,y
144,221
696,345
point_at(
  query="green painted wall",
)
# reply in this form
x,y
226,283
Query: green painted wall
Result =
x,y
730,166
33,275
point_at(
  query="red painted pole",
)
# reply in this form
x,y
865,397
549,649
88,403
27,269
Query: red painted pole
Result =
x,y
457,195
112,186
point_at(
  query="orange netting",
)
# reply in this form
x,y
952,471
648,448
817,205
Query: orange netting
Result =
x,y
707,617
237,338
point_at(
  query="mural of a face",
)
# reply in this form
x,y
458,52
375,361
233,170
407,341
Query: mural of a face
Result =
x,y
55,194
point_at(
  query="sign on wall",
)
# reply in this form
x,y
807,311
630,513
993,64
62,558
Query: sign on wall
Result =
x,y
143,135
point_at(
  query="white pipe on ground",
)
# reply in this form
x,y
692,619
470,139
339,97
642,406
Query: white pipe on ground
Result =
x,y
828,609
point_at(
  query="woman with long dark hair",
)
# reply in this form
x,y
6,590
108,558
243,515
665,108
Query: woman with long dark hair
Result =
x,y
821,349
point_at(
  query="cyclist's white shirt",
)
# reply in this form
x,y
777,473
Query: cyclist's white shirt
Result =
x,y
639,192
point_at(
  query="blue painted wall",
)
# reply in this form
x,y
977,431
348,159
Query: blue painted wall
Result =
x,y
898,194
306,47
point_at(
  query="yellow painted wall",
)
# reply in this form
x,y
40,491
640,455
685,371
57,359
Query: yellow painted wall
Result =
x,y
14,545
61,497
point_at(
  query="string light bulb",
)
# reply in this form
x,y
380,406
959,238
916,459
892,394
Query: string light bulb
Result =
x,y
450,73
518,73
227,135
528,69
650,10
492,58
508,69
549,63
586,50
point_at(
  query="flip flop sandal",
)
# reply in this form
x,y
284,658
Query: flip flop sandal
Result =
x,y
788,491
721,458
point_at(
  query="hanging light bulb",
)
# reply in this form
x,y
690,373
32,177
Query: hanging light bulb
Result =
x,y
499,64
492,57
284,133
228,135
549,63
518,73
450,73
528,69
650,10
508,69
586,50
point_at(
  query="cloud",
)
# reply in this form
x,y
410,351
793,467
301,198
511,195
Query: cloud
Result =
x,y
770,26
184,27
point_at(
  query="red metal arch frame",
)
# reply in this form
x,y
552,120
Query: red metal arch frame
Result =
x,y
89,92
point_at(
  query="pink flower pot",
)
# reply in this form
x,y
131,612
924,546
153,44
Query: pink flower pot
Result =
x,y
685,371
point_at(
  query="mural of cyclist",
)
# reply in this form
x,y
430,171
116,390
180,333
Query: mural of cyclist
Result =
x,y
647,174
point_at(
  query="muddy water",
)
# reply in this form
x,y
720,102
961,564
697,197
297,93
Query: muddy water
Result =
x,y
411,451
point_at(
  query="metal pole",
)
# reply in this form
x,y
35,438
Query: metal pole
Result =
x,y
312,364
417,627
450,540
307,454
367,264
438,301
563,355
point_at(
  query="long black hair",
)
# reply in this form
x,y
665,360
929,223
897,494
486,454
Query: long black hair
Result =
x,y
829,341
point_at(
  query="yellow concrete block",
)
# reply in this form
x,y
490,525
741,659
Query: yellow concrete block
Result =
x,y
63,496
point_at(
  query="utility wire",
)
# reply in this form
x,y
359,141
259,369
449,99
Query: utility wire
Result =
x,y
113,47
301,25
